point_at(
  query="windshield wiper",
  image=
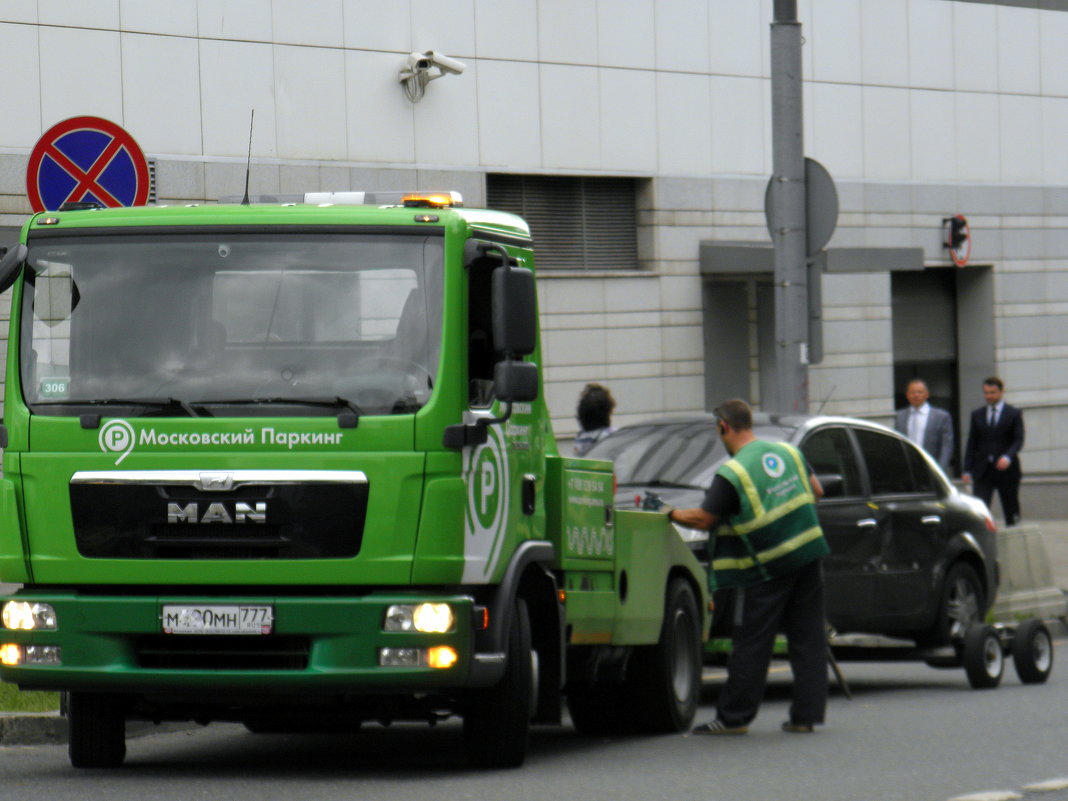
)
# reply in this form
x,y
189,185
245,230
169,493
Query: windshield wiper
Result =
x,y
153,403
346,421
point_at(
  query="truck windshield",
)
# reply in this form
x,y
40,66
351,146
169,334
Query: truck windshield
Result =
x,y
232,323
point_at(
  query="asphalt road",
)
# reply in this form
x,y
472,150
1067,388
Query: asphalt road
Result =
x,y
911,733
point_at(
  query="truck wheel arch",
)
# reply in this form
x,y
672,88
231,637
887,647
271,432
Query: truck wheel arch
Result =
x,y
528,576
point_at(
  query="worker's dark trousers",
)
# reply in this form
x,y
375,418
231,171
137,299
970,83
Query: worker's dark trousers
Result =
x,y
792,604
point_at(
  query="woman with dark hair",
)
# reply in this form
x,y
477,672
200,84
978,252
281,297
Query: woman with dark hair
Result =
x,y
595,417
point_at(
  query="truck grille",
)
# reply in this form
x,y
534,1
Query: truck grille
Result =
x,y
257,516
221,652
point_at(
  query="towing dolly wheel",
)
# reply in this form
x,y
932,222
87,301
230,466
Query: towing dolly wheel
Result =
x,y
1032,652
984,660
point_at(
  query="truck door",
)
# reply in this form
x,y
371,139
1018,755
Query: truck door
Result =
x,y
504,474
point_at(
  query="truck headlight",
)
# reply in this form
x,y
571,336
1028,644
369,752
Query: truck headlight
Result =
x,y
28,616
10,654
428,618
13,655
439,656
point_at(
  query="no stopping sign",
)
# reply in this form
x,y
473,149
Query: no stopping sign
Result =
x,y
86,159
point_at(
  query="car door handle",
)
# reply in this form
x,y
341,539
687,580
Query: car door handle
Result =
x,y
931,520
868,522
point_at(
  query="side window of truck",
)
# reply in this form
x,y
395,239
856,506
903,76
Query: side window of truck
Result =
x,y
481,355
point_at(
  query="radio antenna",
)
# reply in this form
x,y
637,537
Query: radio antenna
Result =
x,y
248,163
824,403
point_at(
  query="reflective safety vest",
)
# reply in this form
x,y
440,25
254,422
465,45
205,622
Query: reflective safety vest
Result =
x,y
776,532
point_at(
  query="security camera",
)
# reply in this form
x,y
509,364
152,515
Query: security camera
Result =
x,y
422,68
417,62
444,63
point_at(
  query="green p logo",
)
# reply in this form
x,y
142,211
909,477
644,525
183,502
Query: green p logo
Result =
x,y
488,471
486,475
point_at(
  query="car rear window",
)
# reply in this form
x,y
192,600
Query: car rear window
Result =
x,y
683,454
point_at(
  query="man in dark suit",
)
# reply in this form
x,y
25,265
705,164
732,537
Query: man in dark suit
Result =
x,y
991,458
928,427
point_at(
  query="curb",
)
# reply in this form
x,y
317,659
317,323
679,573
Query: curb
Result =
x,y
44,728
51,728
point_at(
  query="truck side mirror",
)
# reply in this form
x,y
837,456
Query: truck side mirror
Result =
x,y
515,381
515,311
10,264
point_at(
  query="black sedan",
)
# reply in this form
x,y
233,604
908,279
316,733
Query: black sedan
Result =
x,y
911,556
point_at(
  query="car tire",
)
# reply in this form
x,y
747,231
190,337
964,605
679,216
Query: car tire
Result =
x,y
960,607
97,737
1032,652
984,659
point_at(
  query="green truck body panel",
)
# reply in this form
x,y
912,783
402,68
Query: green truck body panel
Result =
x,y
472,526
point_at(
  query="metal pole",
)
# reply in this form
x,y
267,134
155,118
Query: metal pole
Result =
x,y
788,204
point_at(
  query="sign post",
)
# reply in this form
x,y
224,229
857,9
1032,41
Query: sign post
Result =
x,y
86,159
788,222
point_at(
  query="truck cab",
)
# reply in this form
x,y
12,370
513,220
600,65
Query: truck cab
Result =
x,y
291,463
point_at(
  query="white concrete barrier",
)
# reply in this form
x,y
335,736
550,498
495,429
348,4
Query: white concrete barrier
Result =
x,y
1029,586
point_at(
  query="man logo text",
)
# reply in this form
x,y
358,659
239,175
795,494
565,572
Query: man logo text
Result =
x,y
217,513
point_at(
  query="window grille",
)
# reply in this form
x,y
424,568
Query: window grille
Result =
x,y
577,223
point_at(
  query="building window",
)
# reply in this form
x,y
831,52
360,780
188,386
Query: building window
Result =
x,y
577,223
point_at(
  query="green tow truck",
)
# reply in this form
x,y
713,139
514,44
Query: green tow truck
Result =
x,y
291,465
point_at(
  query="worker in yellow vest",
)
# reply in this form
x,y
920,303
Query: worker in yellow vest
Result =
x,y
771,552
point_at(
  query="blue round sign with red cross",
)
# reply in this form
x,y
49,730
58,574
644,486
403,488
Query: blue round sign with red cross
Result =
x,y
86,159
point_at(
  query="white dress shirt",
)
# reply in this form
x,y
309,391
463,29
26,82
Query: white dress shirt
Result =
x,y
918,423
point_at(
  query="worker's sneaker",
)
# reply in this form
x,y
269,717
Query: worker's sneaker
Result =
x,y
798,728
717,726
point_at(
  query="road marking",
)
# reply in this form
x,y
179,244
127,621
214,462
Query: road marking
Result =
x,y
1047,786
988,795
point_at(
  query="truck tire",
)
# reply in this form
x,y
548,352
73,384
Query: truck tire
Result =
x,y
598,709
663,685
497,722
97,730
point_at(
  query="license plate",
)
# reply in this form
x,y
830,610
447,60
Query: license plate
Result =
x,y
223,619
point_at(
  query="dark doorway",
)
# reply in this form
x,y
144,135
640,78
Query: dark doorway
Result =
x,y
925,340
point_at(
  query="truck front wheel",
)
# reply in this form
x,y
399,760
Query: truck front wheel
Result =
x,y
664,680
97,730
497,722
